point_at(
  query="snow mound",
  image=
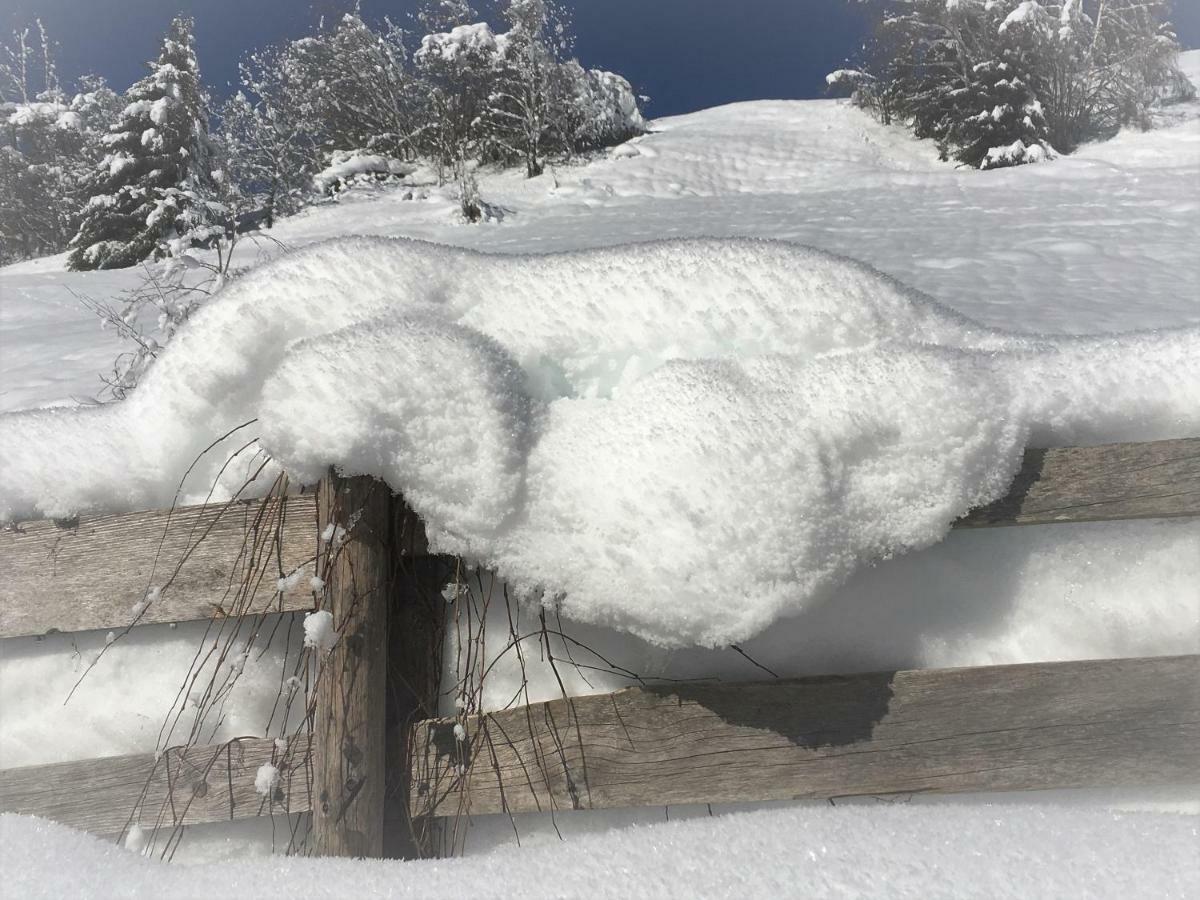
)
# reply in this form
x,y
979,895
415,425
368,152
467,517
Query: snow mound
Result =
x,y
895,851
684,439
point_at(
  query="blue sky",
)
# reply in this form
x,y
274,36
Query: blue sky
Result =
x,y
685,54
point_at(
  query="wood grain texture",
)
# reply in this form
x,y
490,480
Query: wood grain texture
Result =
x,y
90,572
349,733
993,728
1158,479
220,560
184,787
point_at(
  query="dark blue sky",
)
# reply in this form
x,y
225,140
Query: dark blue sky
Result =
x,y
685,54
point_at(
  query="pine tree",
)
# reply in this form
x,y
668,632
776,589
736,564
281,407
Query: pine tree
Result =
x,y
599,109
40,140
997,121
152,184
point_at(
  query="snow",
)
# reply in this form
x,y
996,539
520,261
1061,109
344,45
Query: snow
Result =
x,y
24,114
346,164
902,852
160,110
1098,243
121,705
840,76
684,439
319,631
266,780
1027,11
477,38
1017,150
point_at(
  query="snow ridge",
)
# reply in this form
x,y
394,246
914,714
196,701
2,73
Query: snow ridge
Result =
x,y
683,439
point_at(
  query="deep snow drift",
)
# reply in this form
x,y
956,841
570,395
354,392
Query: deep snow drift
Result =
x,y
899,852
684,439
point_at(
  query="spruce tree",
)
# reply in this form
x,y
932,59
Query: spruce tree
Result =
x,y
151,185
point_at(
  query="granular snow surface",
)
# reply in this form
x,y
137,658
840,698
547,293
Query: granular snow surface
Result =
x,y
614,412
986,851
684,439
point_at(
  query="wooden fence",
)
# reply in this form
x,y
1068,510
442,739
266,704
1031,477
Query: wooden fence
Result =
x,y
376,769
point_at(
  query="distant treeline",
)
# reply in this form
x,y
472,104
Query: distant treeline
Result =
x,y
118,178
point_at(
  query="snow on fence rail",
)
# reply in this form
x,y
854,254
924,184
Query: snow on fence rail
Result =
x,y
371,760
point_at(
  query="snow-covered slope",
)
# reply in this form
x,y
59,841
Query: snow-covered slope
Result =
x,y
1100,242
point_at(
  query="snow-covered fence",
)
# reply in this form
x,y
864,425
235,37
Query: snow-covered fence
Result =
x,y
372,575
1092,723
374,759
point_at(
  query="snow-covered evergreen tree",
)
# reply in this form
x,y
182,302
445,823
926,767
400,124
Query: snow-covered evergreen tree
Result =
x,y
49,140
1097,65
996,121
155,183
39,139
1000,82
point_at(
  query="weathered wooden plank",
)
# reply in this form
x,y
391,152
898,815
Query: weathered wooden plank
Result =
x,y
1158,479
184,787
350,737
90,572
993,728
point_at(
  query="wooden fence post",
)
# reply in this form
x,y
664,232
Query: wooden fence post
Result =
x,y
356,553
415,662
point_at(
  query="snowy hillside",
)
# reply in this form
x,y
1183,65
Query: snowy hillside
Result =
x,y
1100,241
831,415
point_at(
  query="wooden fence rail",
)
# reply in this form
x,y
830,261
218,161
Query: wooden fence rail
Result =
x,y
1157,479
87,573
990,728
198,784
1106,722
